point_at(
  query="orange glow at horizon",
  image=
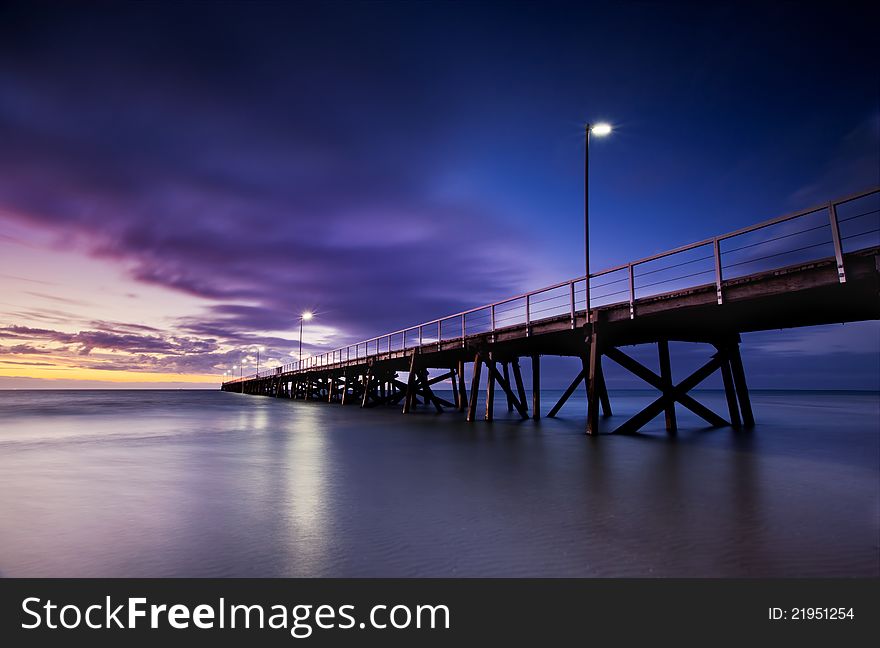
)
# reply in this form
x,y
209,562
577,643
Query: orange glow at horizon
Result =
x,y
61,372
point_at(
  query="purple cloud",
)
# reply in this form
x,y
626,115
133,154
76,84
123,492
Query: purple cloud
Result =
x,y
21,349
268,206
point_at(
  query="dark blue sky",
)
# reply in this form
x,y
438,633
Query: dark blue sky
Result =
x,y
387,163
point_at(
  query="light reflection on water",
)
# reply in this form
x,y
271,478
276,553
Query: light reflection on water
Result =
x,y
215,484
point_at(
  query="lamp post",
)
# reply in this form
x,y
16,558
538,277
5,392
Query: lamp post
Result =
x,y
305,317
240,369
599,130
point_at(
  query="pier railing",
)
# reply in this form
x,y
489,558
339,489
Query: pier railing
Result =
x,y
827,231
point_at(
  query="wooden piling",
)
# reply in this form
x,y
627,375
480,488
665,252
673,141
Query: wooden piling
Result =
x,y
517,376
506,374
592,392
666,377
462,391
729,390
536,386
454,381
410,385
490,388
475,387
739,381
368,377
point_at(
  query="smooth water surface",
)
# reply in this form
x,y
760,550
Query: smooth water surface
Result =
x,y
202,483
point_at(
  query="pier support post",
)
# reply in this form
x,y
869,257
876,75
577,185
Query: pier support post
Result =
x,y
368,378
536,386
520,388
410,385
604,400
666,377
475,387
729,389
490,388
592,391
462,391
739,381
506,373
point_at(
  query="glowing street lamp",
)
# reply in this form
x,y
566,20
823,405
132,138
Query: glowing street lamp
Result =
x,y
599,130
305,317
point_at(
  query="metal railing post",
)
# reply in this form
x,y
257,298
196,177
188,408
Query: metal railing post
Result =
x,y
571,300
528,316
463,329
632,293
838,249
717,251
587,298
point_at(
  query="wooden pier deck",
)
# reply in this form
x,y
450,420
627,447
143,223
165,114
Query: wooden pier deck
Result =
x,y
817,266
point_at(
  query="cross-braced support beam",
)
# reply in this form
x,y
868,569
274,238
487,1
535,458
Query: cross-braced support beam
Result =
x,y
419,385
494,375
504,382
599,394
671,394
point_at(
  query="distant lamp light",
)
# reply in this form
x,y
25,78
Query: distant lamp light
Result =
x,y
601,129
305,317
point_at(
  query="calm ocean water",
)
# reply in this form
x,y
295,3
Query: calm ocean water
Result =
x,y
202,483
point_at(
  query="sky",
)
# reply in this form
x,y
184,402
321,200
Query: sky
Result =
x,y
179,181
